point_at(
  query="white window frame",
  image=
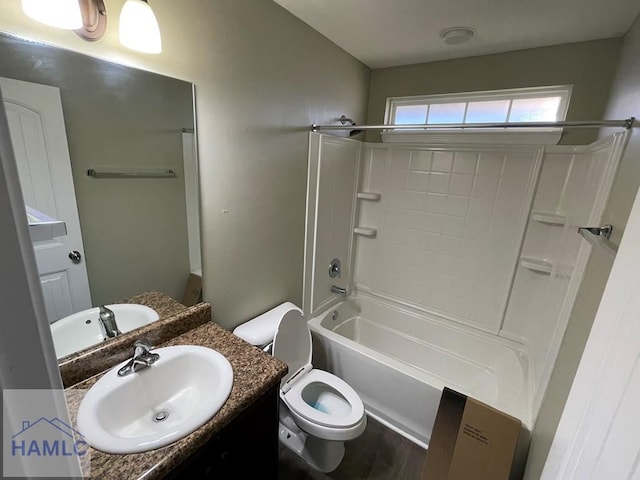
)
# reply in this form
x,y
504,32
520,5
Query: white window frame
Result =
x,y
510,135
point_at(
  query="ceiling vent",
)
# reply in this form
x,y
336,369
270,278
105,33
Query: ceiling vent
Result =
x,y
457,35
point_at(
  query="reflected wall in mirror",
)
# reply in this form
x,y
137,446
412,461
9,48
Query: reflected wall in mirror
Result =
x,y
134,230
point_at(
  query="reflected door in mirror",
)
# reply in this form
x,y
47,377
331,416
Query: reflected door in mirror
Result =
x,y
37,128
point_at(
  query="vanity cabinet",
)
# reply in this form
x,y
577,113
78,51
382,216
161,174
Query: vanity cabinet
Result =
x,y
246,448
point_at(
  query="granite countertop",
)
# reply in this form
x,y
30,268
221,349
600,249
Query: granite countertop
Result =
x,y
254,374
175,319
160,302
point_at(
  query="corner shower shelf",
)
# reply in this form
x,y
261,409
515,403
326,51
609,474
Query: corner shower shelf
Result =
x,y
536,264
545,267
549,218
366,231
371,196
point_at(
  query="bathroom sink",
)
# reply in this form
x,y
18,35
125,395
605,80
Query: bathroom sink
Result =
x,y
157,405
82,329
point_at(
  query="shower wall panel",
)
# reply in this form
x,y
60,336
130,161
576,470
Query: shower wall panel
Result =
x,y
449,226
572,192
333,172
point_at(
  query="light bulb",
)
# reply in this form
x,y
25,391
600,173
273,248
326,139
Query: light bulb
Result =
x,y
139,28
55,13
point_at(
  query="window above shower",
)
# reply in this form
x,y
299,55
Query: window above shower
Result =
x,y
535,104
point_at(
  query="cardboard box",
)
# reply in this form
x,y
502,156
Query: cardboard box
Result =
x,y
472,441
192,290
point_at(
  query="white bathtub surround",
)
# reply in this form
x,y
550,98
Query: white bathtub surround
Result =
x,y
476,246
572,192
399,359
331,196
469,258
450,223
597,436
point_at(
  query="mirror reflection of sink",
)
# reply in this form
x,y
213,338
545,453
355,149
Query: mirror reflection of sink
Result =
x,y
82,329
157,405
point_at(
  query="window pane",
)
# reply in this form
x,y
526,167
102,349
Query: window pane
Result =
x,y
446,113
487,112
535,109
410,114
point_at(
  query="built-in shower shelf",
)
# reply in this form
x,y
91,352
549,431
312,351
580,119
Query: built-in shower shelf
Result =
x,y
371,196
549,218
536,264
366,231
541,265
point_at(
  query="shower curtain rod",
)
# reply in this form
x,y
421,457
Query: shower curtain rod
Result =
x,y
627,124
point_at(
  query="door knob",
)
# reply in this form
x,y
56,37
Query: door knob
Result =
x,y
75,256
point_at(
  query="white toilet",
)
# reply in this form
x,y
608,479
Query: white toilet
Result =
x,y
318,411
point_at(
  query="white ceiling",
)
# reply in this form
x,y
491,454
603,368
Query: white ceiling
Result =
x,y
385,33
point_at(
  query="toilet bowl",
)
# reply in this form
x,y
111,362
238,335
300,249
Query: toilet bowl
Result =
x,y
318,411
325,406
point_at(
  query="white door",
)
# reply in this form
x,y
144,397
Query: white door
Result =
x,y
597,437
38,134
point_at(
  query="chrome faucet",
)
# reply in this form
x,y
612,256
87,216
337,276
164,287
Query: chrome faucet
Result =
x,y
108,322
339,290
142,358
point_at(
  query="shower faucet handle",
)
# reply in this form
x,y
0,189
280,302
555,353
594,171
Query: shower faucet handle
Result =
x,y
335,269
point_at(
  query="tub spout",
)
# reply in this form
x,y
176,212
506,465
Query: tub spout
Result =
x,y
339,290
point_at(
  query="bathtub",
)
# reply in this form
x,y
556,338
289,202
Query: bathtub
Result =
x,y
399,359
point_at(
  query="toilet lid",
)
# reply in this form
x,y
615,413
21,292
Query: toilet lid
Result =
x,y
292,343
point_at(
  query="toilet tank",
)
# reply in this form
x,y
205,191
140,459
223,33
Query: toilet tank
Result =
x,y
260,330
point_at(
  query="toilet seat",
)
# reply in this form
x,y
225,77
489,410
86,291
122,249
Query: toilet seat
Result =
x,y
292,345
295,401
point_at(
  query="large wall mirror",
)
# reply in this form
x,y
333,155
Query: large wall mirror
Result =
x,y
135,127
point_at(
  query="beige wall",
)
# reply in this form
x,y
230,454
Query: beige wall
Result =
x,y
624,102
123,118
588,66
262,77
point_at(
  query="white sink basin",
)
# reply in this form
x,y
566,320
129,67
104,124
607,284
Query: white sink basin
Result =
x,y
82,329
158,405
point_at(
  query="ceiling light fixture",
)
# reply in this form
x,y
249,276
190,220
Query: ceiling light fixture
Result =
x,y
94,20
457,35
55,13
139,28
87,18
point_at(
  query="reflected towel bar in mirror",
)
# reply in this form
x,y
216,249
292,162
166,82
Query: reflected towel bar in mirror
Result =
x,y
159,173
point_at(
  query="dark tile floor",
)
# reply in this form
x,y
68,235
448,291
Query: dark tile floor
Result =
x,y
379,453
